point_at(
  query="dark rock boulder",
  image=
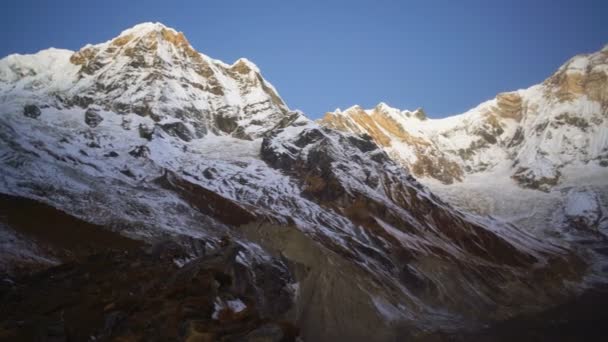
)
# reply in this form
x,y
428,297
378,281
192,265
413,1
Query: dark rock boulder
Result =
x,y
125,124
145,132
177,129
526,178
240,133
141,151
365,143
31,111
420,114
92,118
308,137
291,119
226,123
517,139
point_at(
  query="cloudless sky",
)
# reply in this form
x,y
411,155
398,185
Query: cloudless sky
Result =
x,y
445,56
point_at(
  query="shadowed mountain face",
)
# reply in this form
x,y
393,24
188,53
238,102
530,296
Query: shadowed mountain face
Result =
x,y
271,225
116,288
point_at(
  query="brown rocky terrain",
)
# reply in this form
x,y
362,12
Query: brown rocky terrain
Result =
x,y
111,288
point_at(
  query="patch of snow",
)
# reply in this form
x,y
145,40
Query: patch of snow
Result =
x,y
581,203
387,310
234,305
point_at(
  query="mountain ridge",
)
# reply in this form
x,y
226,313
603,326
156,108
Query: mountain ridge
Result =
x,y
543,147
140,70
149,140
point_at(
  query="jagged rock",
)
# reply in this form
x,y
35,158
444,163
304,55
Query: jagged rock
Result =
x,y
141,151
582,74
128,173
529,179
518,138
382,125
92,118
419,114
31,111
177,129
125,124
509,105
572,120
240,133
226,124
365,144
145,132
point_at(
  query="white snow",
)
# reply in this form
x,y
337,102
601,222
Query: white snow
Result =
x,y
143,28
581,203
386,309
233,305
236,305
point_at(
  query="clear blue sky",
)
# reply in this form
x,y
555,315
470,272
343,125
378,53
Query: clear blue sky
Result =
x,y
446,56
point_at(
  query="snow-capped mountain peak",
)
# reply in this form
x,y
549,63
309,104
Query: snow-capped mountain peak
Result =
x,y
550,137
144,28
150,70
145,136
534,132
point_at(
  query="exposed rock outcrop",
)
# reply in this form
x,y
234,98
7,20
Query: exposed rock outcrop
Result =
x,y
31,111
145,295
92,118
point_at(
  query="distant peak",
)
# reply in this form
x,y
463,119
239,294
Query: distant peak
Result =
x,y
245,66
384,107
144,28
353,108
420,113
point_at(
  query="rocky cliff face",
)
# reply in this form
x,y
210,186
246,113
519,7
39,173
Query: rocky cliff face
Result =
x,y
147,139
384,125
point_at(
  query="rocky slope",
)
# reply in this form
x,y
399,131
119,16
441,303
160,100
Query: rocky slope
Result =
x,y
149,140
110,287
518,156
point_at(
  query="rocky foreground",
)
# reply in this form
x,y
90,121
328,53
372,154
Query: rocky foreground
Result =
x,y
120,289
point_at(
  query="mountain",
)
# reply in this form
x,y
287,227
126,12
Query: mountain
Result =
x,y
150,70
537,157
141,165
